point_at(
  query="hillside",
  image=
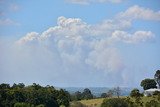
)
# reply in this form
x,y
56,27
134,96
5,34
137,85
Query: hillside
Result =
x,y
98,102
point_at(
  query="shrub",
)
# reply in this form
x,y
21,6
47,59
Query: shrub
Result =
x,y
156,93
114,102
152,103
104,95
22,105
135,93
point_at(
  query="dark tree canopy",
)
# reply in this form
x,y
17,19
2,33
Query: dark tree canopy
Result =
x,y
34,95
20,85
148,84
4,86
157,77
104,95
77,96
135,93
87,94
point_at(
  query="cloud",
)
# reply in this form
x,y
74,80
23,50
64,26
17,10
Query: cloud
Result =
x,y
30,37
107,26
137,37
137,12
74,49
78,42
71,50
14,7
94,1
8,22
6,8
105,59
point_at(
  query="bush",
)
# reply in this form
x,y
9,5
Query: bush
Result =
x,y
156,93
22,105
114,102
104,95
152,103
135,93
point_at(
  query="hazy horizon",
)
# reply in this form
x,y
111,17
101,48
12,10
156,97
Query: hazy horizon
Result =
x,y
79,43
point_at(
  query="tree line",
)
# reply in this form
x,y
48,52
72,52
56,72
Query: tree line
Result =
x,y
33,95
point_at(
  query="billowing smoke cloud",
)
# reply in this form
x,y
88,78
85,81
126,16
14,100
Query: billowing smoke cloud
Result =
x,y
73,52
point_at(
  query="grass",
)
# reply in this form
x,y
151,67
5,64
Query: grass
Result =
x,y
98,102
93,102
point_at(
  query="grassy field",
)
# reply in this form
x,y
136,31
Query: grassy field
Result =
x,y
98,102
93,102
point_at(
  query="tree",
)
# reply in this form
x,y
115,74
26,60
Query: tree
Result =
x,y
104,95
63,98
135,93
20,85
36,86
117,91
114,102
87,94
77,95
157,77
110,93
148,84
35,95
4,86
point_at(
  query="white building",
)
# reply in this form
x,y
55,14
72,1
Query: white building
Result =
x,y
150,91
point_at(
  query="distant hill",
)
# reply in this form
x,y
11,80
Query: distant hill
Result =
x,y
97,91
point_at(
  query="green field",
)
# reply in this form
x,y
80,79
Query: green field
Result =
x,y
98,102
93,102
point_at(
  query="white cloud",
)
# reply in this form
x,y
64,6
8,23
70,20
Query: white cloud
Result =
x,y
94,1
77,42
137,12
74,42
74,49
30,37
137,37
106,27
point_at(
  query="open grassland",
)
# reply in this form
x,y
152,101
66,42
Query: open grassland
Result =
x,y
93,102
98,102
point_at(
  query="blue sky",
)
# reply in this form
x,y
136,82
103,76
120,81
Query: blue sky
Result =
x,y
79,43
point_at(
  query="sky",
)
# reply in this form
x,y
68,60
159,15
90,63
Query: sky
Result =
x,y
79,43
